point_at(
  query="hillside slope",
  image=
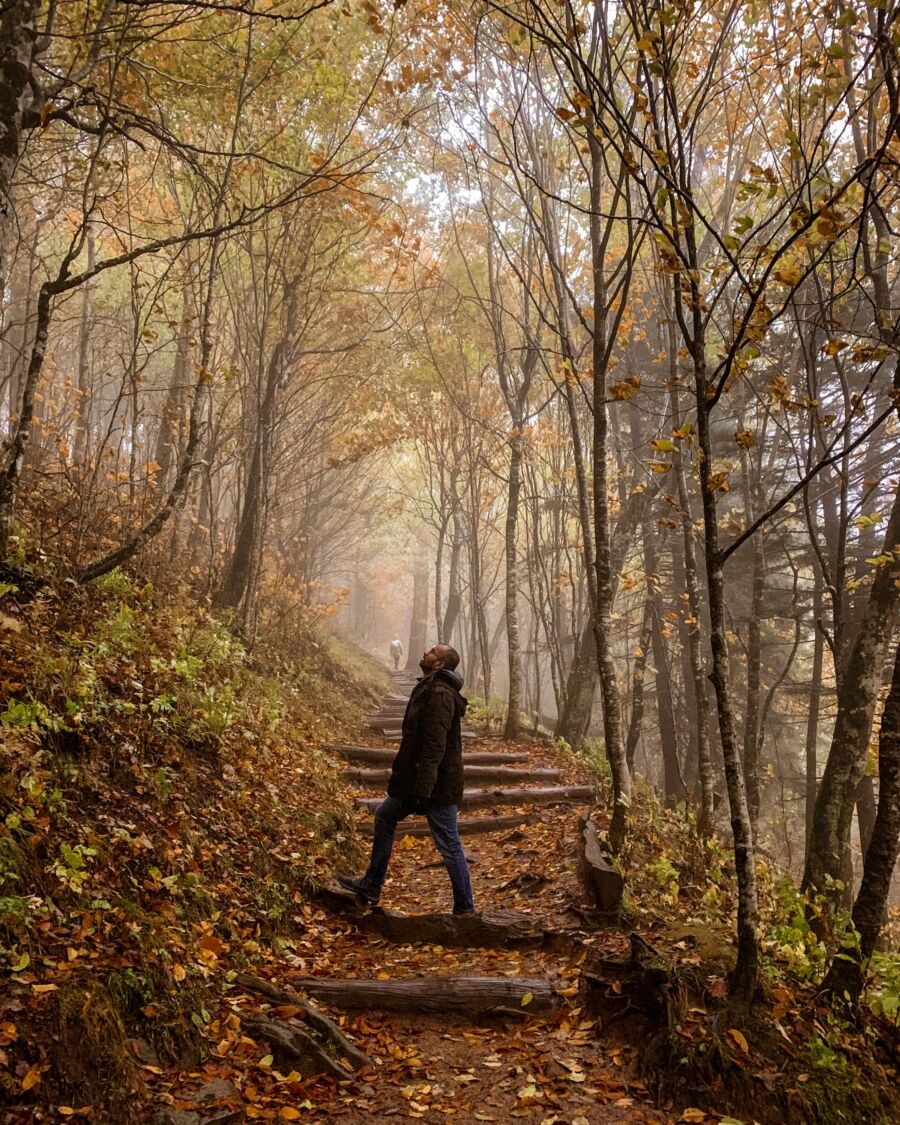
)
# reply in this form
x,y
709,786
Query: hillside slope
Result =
x,y
162,799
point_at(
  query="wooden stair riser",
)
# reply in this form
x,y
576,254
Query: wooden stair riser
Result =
x,y
384,755
467,826
487,798
473,773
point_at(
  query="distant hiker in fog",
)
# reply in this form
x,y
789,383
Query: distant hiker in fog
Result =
x,y
396,652
426,778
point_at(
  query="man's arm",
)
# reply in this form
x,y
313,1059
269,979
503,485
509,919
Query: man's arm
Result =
x,y
434,729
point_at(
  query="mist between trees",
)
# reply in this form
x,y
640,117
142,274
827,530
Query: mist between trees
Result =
x,y
569,332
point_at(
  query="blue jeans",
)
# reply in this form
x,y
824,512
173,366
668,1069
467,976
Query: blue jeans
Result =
x,y
444,832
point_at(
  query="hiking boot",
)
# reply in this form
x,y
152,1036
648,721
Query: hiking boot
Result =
x,y
464,913
360,888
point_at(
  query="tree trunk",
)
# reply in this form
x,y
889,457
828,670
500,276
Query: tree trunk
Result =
x,y
418,626
860,684
752,733
236,584
815,700
454,598
82,443
845,974
575,717
703,761
511,589
747,967
169,442
636,718
18,36
9,480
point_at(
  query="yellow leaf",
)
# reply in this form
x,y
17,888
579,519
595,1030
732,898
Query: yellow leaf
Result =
x,y
693,1115
738,1039
788,275
178,972
383,976
31,1079
288,1113
527,998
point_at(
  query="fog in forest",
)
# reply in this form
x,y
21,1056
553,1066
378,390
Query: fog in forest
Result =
x,y
570,338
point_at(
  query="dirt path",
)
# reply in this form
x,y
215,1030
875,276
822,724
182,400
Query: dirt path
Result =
x,y
549,1070
554,1069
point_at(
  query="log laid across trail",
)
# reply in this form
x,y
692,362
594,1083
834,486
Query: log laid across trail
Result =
x,y
488,929
468,826
470,995
498,774
384,755
485,798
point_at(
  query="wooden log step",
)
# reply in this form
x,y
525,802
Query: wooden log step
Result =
x,y
384,755
393,733
467,826
485,798
490,929
498,774
469,995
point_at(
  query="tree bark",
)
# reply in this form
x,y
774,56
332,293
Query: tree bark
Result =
x,y
472,995
846,972
706,814
18,37
752,733
860,684
251,524
746,969
418,626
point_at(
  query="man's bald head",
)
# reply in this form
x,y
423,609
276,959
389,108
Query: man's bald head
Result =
x,y
447,655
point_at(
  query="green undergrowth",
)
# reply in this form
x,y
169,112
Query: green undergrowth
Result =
x,y
163,800
790,1058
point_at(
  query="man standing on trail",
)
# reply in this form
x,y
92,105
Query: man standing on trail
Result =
x,y
396,652
426,778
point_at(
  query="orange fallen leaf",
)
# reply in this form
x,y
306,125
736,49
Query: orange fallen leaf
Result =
x,y
738,1039
31,1079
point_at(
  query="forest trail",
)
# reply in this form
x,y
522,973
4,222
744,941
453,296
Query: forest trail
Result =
x,y
551,1068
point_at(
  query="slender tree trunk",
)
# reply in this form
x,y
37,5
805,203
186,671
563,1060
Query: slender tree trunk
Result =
x,y
82,444
9,480
747,967
815,701
752,734
860,683
704,765
604,587
845,974
251,524
454,597
511,589
418,626
18,36
638,673
169,443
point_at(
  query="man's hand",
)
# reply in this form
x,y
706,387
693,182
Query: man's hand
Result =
x,y
419,805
